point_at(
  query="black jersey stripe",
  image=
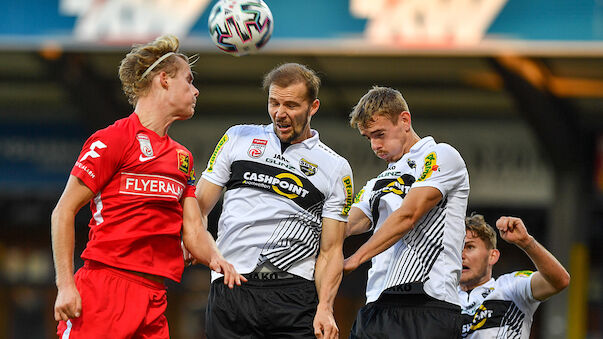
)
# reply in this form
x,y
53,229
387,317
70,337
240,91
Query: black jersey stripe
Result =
x,y
295,238
424,244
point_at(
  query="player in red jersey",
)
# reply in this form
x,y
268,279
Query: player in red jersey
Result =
x,y
140,185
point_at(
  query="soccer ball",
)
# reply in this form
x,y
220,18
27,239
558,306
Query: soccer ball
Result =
x,y
240,27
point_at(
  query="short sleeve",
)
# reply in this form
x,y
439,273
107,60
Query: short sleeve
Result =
x,y
100,158
444,169
338,203
218,166
517,286
362,199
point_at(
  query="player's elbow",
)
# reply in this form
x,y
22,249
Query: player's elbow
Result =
x,y
563,281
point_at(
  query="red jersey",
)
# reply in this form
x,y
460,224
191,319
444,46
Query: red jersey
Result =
x,y
139,179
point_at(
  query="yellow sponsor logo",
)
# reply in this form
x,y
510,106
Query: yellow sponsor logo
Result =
x,y
429,166
358,196
481,315
349,194
212,159
523,273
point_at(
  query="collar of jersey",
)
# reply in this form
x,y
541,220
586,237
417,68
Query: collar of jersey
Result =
x,y
309,143
426,141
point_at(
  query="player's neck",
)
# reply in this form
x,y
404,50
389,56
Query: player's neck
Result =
x,y
153,120
470,285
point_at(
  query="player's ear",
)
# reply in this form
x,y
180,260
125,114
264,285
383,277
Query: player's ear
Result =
x,y
314,107
163,79
493,257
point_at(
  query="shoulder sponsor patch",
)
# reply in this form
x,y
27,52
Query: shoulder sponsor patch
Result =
x,y
349,194
307,167
191,178
212,159
523,273
358,196
183,161
429,166
257,148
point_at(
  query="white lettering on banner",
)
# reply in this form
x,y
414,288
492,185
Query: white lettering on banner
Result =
x,y
120,20
150,185
427,21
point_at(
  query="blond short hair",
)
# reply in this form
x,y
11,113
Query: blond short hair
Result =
x,y
140,58
476,224
378,101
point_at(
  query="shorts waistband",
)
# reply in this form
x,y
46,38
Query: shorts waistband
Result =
x,y
126,274
413,294
254,282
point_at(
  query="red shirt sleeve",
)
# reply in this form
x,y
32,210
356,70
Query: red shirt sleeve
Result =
x,y
100,157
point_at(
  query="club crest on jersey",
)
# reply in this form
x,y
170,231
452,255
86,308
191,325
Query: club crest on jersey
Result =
x,y
257,148
145,145
429,166
183,161
307,167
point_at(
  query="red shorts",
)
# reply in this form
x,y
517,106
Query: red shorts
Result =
x,y
116,304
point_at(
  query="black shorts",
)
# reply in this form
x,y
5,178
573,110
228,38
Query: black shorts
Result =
x,y
411,316
262,309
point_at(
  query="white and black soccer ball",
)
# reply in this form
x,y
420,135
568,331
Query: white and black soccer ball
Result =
x,y
240,27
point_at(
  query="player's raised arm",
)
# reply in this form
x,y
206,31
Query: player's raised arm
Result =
x,y
551,277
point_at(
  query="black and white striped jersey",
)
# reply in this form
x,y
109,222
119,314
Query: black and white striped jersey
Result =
x,y
430,254
276,198
501,308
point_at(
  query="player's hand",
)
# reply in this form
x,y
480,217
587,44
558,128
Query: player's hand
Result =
x,y
68,304
231,277
325,326
513,231
350,264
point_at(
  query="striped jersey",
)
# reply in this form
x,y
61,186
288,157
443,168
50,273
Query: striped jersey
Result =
x,y
501,308
276,198
429,255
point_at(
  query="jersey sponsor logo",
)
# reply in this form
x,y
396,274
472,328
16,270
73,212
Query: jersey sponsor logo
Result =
x,y
358,196
212,159
145,147
285,184
492,314
523,273
150,185
183,161
429,167
349,194
191,178
250,174
92,152
307,167
257,148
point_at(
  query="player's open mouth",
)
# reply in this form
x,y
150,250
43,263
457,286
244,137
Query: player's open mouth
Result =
x,y
283,126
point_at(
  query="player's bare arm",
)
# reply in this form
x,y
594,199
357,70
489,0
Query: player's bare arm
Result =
x,y
417,202
200,243
358,222
68,304
551,277
328,274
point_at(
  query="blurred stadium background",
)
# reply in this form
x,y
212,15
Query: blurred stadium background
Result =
x,y
516,86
